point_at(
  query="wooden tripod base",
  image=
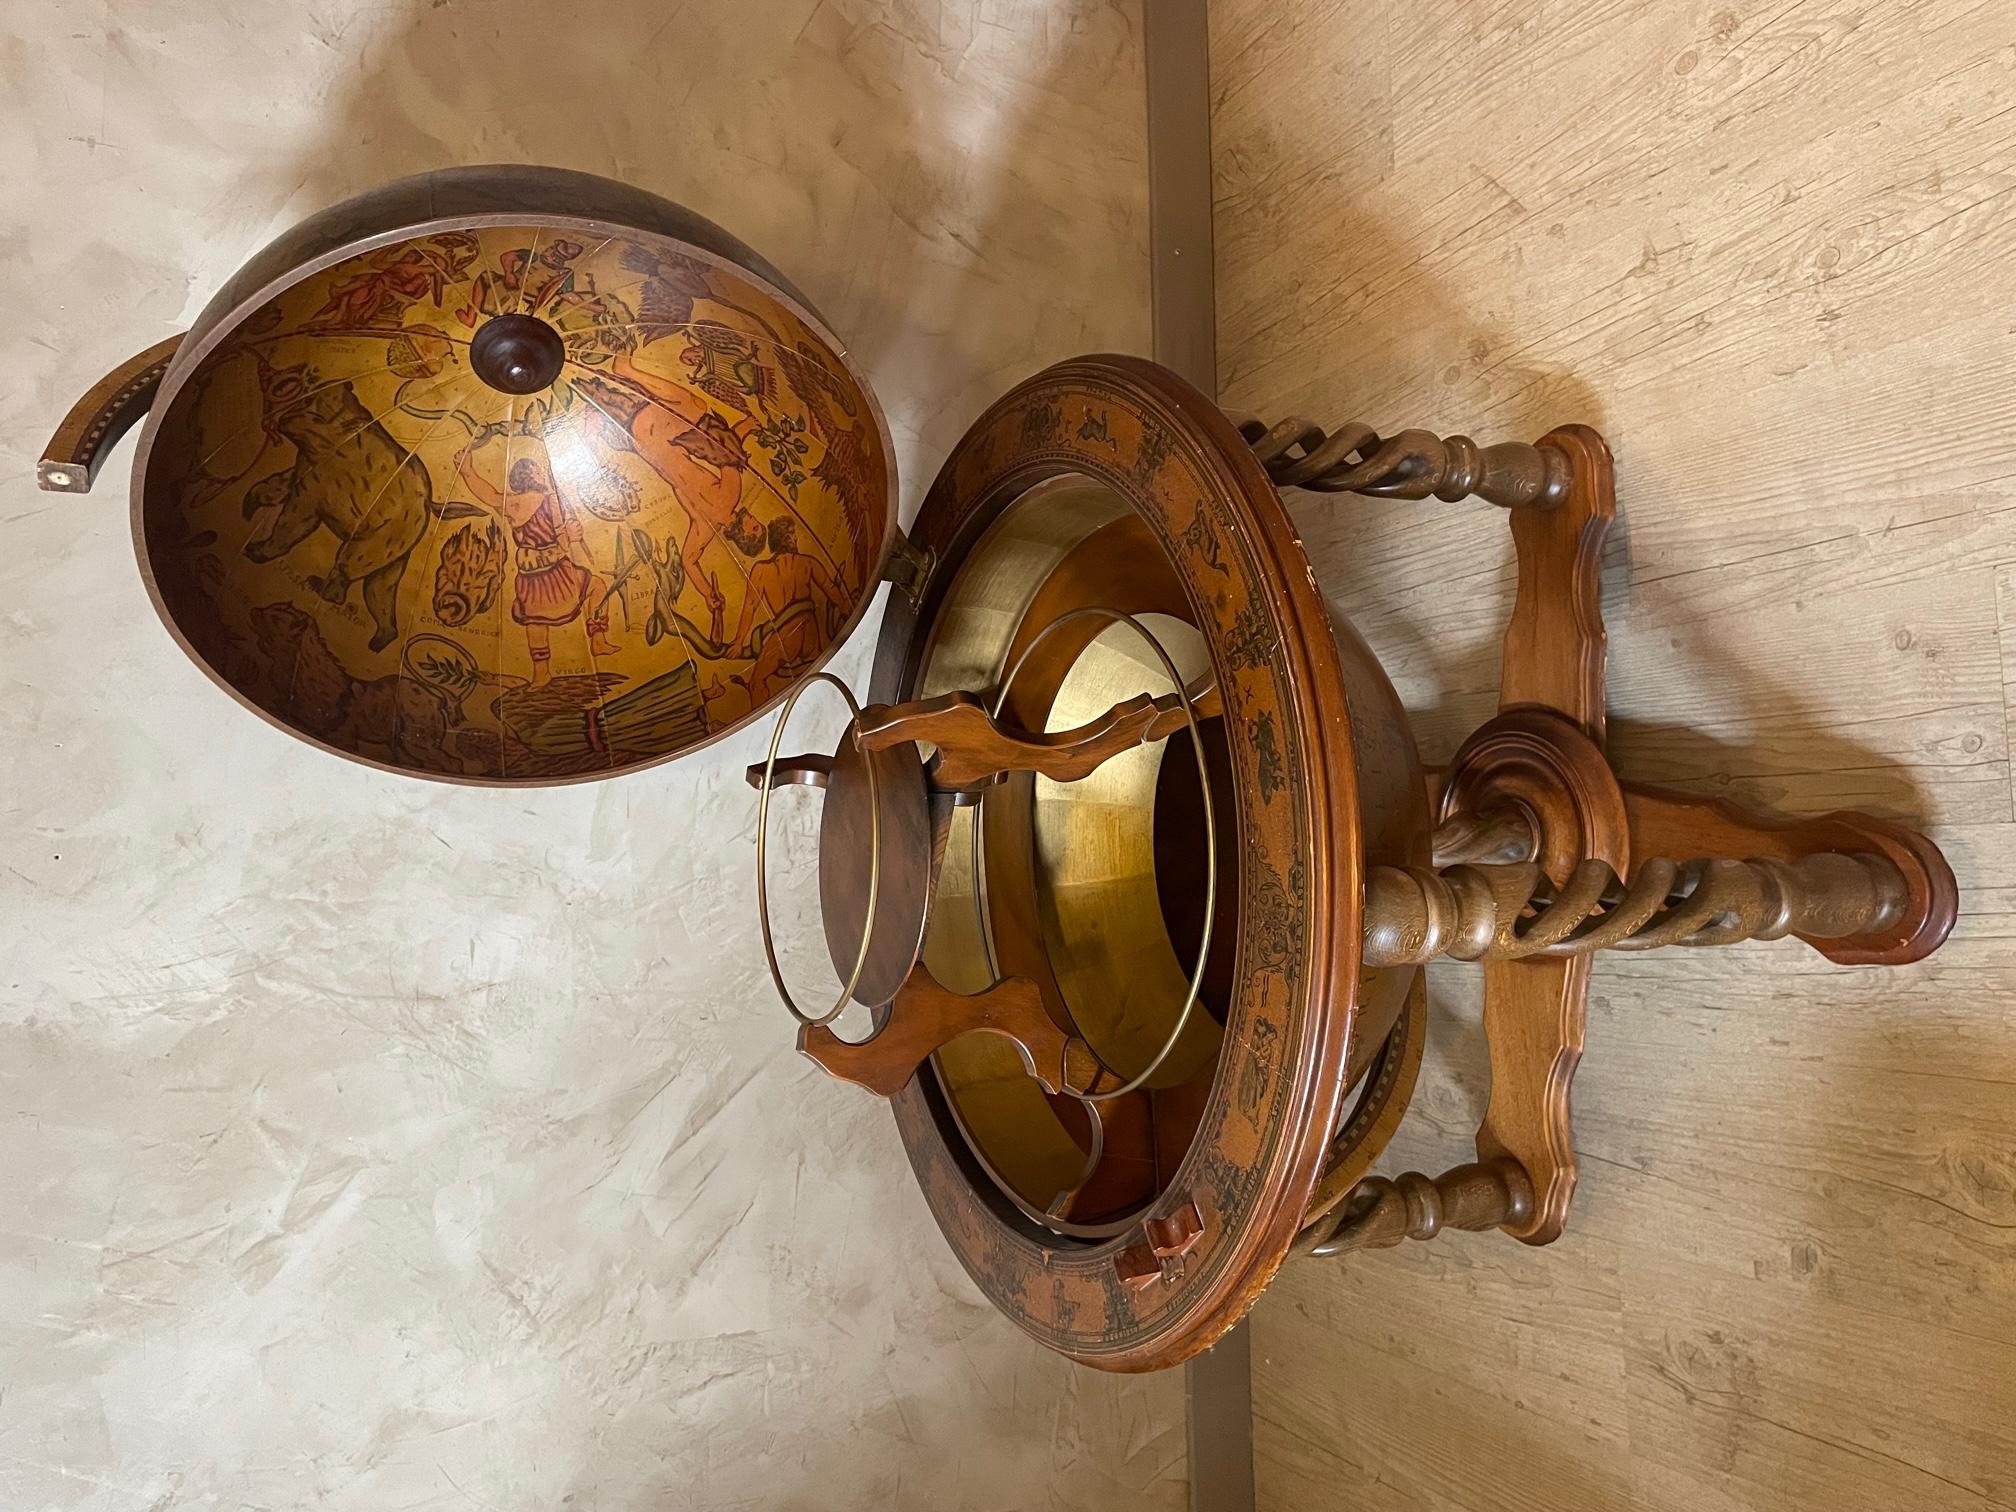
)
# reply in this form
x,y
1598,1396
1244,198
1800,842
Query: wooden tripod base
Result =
x,y
1537,773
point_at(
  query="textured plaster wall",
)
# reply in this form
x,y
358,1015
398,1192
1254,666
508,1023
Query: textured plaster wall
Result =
x,y
373,1144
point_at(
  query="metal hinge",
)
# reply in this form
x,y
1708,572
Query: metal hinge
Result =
x,y
909,568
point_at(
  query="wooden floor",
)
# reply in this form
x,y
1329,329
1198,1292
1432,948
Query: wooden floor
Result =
x,y
1770,249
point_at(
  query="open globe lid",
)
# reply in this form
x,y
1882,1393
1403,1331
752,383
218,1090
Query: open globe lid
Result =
x,y
511,475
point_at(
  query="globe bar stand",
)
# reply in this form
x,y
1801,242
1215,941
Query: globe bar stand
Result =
x,y
1531,812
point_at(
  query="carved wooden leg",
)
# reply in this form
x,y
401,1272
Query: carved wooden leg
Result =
x,y
1530,758
1665,823
1541,760
1410,465
1381,1212
1514,911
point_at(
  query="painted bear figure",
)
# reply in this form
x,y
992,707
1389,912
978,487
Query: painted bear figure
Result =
x,y
351,476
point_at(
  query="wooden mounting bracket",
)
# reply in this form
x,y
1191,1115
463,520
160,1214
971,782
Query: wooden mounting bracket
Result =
x,y
975,749
926,1016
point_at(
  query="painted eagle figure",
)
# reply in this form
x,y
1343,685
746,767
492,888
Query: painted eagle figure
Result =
x,y
837,421
665,299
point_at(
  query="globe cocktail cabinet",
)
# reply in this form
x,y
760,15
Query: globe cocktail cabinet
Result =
x,y
516,476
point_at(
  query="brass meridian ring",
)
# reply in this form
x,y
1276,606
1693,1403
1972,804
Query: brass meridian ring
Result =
x,y
762,852
1120,616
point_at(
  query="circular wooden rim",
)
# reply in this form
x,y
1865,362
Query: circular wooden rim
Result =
x,y
1179,463
229,310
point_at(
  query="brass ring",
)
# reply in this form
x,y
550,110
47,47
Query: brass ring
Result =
x,y
762,849
1120,616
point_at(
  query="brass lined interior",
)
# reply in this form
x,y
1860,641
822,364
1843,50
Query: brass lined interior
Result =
x,y
1094,855
1068,870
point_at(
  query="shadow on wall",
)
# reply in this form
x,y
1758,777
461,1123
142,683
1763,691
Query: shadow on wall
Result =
x,y
871,151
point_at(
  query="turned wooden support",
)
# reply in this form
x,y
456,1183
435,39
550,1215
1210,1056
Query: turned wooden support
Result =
x,y
1508,912
1662,822
1411,465
1501,835
1381,1212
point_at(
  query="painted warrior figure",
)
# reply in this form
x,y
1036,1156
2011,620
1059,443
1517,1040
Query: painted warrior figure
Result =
x,y
797,597
523,282
552,586
393,281
696,452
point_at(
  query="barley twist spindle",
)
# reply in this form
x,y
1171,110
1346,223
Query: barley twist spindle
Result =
x,y
1512,911
1410,465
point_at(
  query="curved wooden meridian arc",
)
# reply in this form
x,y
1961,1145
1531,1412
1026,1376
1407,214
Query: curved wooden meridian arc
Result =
x,y
110,408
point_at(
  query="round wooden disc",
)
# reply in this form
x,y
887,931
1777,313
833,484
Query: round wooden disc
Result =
x,y
1162,1290
514,476
899,797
